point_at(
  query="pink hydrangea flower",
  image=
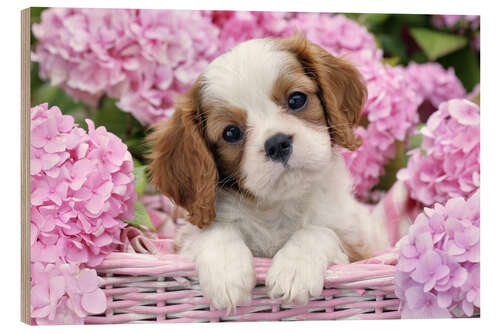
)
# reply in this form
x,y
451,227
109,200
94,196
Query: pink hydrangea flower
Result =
x,y
82,186
448,164
437,274
469,294
336,33
238,26
144,58
391,109
64,294
81,189
432,82
422,305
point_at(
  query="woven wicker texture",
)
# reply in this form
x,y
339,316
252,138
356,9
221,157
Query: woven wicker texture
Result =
x,y
147,288
147,282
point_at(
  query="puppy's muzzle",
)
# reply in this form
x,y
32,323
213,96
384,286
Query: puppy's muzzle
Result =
x,y
279,147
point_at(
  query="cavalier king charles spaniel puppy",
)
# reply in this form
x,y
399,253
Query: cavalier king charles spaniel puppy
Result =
x,y
252,153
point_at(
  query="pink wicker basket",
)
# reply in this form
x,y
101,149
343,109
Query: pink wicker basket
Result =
x,y
146,288
146,282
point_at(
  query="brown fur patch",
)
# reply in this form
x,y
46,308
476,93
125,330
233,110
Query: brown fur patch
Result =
x,y
294,79
228,156
219,116
182,167
341,90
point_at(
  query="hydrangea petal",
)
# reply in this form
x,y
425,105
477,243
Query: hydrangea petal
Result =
x,y
94,302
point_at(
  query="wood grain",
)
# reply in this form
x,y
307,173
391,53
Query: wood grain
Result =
x,y
25,165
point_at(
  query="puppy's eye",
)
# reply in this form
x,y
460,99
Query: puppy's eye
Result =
x,y
297,101
232,134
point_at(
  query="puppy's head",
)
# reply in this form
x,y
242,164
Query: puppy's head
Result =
x,y
261,121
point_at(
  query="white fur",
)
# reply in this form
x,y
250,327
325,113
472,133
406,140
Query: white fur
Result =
x,y
304,216
223,262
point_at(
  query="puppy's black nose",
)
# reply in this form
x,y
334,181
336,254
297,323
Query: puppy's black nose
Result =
x,y
279,147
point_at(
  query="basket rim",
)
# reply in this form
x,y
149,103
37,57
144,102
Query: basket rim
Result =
x,y
354,275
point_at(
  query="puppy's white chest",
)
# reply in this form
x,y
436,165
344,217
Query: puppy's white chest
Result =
x,y
265,230
266,237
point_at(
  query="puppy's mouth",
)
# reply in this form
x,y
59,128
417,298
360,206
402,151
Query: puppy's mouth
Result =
x,y
288,169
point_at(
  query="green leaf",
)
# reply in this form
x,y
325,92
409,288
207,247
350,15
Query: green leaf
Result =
x,y
123,125
392,167
466,65
35,13
141,217
352,16
137,163
415,141
436,44
140,179
419,57
393,45
111,117
411,20
393,61
370,20
137,146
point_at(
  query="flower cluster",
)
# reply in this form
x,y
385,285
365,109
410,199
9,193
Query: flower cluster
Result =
x,y
336,33
81,187
144,58
434,83
438,266
239,26
339,35
64,294
448,165
391,110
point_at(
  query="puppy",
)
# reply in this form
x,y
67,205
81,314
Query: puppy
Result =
x,y
252,153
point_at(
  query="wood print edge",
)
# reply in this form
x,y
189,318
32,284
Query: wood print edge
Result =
x,y
25,165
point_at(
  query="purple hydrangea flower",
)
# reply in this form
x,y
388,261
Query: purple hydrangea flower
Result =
x,y
437,274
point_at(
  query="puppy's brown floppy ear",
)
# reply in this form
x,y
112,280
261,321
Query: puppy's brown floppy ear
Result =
x,y
342,91
182,167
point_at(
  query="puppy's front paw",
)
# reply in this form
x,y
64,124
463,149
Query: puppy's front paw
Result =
x,y
295,277
228,278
